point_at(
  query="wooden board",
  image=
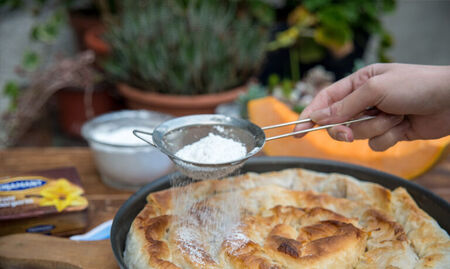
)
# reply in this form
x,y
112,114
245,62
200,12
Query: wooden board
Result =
x,y
41,251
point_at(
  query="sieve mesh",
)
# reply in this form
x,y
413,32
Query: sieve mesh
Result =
x,y
175,140
173,135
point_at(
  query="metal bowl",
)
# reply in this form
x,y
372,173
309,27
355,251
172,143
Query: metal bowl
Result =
x,y
434,205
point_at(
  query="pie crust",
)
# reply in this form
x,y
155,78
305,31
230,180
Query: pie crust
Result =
x,y
293,218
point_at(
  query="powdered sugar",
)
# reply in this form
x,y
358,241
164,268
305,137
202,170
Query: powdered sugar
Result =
x,y
213,149
236,240
203,225
189,240
123,135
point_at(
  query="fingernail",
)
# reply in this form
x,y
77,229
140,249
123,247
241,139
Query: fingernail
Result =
x,y
320,115
341,136
348,138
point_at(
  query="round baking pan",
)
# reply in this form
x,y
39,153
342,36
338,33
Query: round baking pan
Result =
x,y
434,205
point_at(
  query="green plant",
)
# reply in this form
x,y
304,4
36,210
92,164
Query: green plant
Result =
x,y
316,26
43,32
255,91
187,47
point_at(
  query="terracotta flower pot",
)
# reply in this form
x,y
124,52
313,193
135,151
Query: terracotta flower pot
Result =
x,y
177,105
93,40
81,22
72,107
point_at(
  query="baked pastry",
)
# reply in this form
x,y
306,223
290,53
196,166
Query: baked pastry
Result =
x,y
293,218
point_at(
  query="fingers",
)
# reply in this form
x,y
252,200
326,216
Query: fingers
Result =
x,y
368,95
337,92
390,138
375,127
324,99
341,133
319,102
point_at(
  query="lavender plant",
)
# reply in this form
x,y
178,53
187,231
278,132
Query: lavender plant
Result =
x,y
187,47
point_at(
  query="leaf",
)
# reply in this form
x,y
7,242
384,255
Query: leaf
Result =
x,y
310,51
385,43
388,5
370,7
30,60
285,39
262,11
313,5
11,4
48,31
351,12
286,87
333,36
273,81
386,40
298,108
11,89
301,17
255,91
372,25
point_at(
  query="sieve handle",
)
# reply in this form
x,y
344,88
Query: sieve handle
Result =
x,y
285,124
311,129
137,132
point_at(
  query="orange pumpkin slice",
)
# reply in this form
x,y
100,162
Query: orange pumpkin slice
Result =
x,y
405,159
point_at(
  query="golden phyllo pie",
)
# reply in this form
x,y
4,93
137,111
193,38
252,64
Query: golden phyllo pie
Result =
x,y
293,218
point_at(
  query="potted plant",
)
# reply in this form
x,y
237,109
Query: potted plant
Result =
x,y
330,33
186,57
50,41
93,39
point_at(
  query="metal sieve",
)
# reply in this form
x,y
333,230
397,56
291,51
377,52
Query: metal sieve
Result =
x,y
171,136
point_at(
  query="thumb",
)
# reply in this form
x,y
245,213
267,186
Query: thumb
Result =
x,y
367,95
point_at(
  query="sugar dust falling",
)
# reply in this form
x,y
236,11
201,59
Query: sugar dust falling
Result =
x,y
204,222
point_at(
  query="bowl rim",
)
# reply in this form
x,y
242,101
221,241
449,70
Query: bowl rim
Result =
x,y
87,127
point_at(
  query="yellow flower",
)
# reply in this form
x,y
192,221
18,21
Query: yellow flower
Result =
x,y
61,194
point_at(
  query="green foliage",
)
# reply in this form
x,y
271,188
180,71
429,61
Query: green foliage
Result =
x,y
334,25
272,82
186,47
286,87
48,31
310,51
12,90
11,4
385,44
44,32
255,91
298,108
30,60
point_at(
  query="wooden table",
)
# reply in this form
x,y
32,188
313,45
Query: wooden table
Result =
x,y
105,201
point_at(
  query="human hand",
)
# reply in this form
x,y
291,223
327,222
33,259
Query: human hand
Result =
x,y
413,102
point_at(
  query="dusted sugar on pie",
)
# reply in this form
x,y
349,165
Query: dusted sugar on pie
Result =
x,y
294,218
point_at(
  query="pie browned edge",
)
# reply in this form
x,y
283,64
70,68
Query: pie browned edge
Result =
x,y
296,218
